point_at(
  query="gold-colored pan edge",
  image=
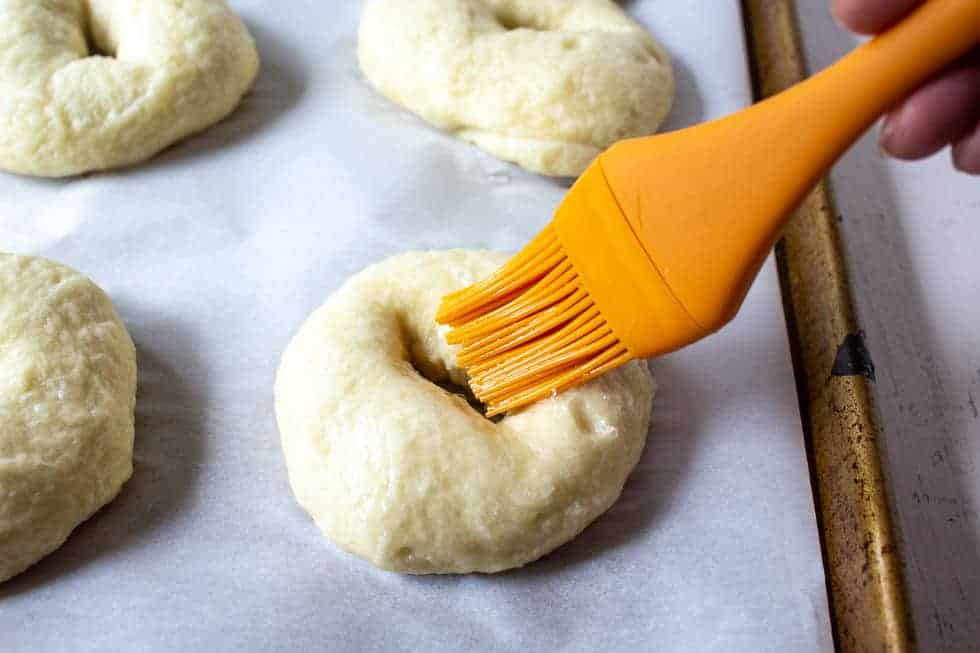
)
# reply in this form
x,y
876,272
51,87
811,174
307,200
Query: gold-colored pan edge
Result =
x,y
862,560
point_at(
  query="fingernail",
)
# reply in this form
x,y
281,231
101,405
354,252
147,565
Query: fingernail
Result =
x,y
887,129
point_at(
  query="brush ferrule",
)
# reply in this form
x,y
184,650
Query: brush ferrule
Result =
x,y
613,267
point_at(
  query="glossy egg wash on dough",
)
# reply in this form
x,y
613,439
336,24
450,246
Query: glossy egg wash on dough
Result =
x,y
398,468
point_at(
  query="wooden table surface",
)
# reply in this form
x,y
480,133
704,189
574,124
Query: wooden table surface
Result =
x,y
912,237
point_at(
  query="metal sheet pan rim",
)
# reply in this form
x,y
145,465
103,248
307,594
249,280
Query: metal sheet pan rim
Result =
x,y
862,557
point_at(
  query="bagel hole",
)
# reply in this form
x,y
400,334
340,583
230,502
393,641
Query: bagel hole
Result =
x,y
467,394
441,378
95,49
510,22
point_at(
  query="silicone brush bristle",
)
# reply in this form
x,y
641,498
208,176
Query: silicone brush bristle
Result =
x,y
530,330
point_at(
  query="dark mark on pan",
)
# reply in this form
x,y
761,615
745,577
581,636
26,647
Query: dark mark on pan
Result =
x,y
853,358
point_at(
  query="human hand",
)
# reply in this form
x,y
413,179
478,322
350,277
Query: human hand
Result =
x,y
944,111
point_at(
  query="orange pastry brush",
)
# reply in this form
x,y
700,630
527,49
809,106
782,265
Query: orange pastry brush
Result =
x,y
657,243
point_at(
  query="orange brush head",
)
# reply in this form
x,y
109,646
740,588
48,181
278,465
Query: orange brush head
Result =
x,y
529,330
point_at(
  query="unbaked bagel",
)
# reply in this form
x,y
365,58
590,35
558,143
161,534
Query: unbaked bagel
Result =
x,y
96,84
67,395
547,84
398,470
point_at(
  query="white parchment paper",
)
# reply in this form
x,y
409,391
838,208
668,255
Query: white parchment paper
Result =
x,y
216,251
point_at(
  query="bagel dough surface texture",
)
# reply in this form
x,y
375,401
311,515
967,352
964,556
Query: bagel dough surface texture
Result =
x,y
97,84
395,469
67,396
546,84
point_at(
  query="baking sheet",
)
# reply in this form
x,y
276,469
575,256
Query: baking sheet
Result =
x,y
216,251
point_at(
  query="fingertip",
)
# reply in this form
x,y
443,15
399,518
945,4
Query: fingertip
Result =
x,y
870,16
944,111
966,153
849,15
967,166
900,137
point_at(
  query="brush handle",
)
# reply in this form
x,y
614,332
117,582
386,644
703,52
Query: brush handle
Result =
x,y
708,203
831,110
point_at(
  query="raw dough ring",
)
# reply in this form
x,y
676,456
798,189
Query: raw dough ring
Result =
x,y
547,84
399,471
177,67
67,395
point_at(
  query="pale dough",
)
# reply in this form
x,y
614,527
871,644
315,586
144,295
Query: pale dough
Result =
x,y
67,396
547,84
399,471
96,84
